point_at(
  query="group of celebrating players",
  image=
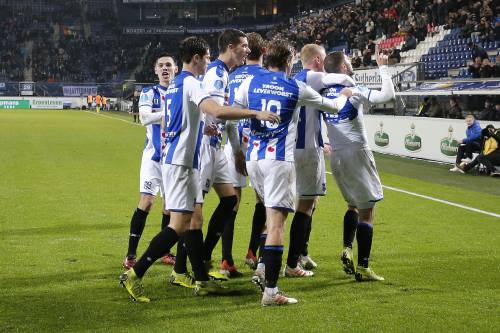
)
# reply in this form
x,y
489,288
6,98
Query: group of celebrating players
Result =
x,y
274,137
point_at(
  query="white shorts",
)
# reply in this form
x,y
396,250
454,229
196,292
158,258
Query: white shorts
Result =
x,y
237,179
183,187
274,182
150,176
356,175
310,170
213,167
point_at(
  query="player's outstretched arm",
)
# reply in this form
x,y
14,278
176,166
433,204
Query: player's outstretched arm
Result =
x,y
387,93
212,108
309,97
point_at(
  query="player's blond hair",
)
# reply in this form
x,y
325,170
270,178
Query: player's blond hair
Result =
x,y
309,51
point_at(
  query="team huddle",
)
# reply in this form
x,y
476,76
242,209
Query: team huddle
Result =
x,y
273,124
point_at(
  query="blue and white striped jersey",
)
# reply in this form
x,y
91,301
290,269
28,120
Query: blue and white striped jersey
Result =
x,y
183,124
273,91
152,101
235,79
215,82
309,126
346,129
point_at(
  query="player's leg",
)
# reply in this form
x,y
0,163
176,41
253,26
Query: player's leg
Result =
x,y
222,214
279,198
159,245
310,185
258,225
168,259
297,239
305,259
273,255
364,237
350,225
137,224
227,266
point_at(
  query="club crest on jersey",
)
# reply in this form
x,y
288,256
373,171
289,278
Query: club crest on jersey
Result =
x,y
218,84
144,97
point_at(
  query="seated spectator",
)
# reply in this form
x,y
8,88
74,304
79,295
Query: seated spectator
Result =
x,y
496,69
490,111
367,58
486,69
470,144
454,112
435,109
394,57
410,42
477,51
424,108
490,153
475,68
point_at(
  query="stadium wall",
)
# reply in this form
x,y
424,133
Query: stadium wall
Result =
x,y
44,102
434,139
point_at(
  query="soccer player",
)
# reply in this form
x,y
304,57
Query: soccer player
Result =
x,y
214,172
352,162
151,111
89,102
98,101
184,100
135,106
309,160
241,133
270,155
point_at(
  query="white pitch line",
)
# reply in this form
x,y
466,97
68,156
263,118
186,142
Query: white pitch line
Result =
x,y
115,118
438,200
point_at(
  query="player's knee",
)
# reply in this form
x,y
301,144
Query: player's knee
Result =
x,y
228,203
146,202
305,206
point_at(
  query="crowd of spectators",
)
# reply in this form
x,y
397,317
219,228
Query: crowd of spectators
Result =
x,y
13,35
484,68
390,18
432,107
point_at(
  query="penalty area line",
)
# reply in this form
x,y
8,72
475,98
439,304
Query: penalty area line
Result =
x,y
472,209
110,117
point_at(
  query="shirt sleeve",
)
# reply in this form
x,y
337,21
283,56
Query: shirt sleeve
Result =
x,y
146,114
387,93
215,82
334,78
196,92
309,97
241,97
315,80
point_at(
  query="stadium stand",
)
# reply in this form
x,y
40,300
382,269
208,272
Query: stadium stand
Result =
x,y
110,42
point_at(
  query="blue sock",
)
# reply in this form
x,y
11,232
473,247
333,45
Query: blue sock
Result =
x,y
350,224
364,236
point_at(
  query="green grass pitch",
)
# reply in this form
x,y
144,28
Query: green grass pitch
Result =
x,y
68,187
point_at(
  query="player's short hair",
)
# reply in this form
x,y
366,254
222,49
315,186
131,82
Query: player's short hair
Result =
x,y
229,36
279,53
165,55
256,44
334,61
191,46
309,51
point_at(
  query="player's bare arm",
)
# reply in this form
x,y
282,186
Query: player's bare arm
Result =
x,y
211,107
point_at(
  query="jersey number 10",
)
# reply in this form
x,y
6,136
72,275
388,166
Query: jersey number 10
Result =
x,y
273,106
